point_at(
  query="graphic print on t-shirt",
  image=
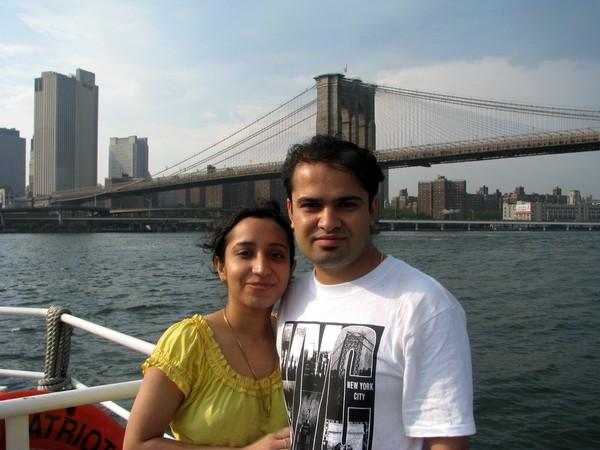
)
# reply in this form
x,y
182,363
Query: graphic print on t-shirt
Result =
x,y
328,373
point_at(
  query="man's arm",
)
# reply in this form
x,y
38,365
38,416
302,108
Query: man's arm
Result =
x,y
440,379
446,443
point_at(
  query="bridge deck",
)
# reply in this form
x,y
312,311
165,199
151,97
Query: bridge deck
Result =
x,y
580,140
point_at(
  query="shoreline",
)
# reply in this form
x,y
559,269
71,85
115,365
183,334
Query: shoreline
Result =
x,y
482,225
383,226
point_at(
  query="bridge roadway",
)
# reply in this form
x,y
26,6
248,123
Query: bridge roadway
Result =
x,y
580,140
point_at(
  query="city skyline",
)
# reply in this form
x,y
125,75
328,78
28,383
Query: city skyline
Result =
x,y
174,75
472,188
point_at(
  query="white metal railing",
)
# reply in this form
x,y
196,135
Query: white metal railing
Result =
x,y
21,374
110,405
64,399
112,335
16,411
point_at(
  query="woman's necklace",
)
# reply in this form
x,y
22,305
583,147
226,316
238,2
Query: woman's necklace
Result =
x,y
265,400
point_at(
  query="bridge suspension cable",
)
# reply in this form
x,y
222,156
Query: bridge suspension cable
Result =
x,y
573,113
307,108
281,116
412,128
408,118
287,127
405,118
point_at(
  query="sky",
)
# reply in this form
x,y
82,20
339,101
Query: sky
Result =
x,y
184,74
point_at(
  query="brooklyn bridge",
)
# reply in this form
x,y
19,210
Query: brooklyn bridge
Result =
x,y
403,127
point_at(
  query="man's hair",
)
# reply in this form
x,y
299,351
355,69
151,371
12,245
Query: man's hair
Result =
x,y
336,153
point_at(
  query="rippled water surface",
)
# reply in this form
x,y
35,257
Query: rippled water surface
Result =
x,y
532,301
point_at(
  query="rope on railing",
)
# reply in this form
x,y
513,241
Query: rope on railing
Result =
x,y
58,351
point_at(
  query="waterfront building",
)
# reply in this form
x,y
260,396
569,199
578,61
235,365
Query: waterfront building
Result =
x,y
65,144
12,161
577,212
557,196
520,210
442,199
550,212
573,197
6,197
168,199
482,200
404,201
128,157
197,197
519,194
31,170
519,191
241,194
425,198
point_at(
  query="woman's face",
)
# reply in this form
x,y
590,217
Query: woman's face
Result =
x,y
257,265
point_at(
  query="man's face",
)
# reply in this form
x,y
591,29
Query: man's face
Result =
x,y
331,217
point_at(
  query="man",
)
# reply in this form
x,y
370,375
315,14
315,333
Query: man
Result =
x,y
374,354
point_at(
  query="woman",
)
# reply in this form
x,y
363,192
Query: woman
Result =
x,y
215,379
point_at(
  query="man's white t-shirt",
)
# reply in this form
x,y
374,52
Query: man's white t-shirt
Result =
x,y
376,363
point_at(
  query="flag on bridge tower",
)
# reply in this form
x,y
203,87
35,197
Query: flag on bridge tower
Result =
x,y
346,68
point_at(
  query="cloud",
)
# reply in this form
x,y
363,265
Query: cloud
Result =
x,y
555,82
86,22
184,78
16,49
188,96
14,98
52,25
17,108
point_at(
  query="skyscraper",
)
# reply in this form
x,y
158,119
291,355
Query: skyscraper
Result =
x,y
65,132
12,161
128,157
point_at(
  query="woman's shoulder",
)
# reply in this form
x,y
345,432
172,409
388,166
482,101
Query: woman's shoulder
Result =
x,y
187,330
179,353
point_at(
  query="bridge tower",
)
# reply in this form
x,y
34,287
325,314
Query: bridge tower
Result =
x,y
346,109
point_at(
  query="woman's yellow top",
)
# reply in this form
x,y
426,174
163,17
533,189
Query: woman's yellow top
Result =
x,y
221,407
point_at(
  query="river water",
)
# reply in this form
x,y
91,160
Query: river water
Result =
x,y
532,301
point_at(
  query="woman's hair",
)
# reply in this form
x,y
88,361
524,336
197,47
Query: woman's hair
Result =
x,y
217,242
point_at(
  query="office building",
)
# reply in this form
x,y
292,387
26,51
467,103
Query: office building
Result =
x,y
12,161
65,132
128,157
